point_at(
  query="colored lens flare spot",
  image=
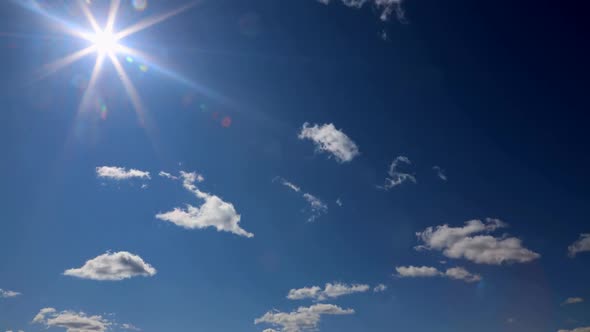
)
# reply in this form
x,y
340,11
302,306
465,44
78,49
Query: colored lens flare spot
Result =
x,y
140,5
226,122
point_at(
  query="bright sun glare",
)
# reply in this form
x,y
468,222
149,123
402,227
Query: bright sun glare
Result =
x,y
105,42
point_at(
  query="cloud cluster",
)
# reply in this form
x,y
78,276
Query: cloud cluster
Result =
x,y
397,177
581,245
579,329
572,300
4,294
386,7
329,139
214,212
316,205
71,321
303,319
120,173
113,267
456,273
330,291
468,242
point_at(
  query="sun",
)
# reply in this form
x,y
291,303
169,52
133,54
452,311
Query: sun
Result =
x,y
105,42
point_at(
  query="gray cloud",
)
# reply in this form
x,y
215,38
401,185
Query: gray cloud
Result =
x,y
463,242
440,173
303,319
329,139
113,267
579,329
330,291
214,212
386,7
572,300
581,245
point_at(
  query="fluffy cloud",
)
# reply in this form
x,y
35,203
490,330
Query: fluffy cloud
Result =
x,y
386,7
316,205
463,242
120,173
440,173
71,321
113,267
8,293
579,329
456,273
330,291
329,139
581,245
303,319
380,288
397,177
573,300
214,212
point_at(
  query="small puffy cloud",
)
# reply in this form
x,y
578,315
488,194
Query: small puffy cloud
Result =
x,y
129,327
573,300
329,139
316,205
395,176
330,291
579,329
386,7
71,321
4,294
380,288
440,173
581,245
113,267
468,242
303,319
213,212
456,273
120,173
339,202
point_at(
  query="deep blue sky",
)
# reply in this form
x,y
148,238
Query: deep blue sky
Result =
x,y
493,93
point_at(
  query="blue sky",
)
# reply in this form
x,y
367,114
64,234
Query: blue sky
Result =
x,y
295,166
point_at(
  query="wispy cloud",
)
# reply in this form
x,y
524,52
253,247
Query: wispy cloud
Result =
x,y
329,139
581,245
4,294
395,176
302,319
330,291
386,7
380,288
113,267
214,212
440,173
316,205
456,273
572,300
167,175
464,242
120,173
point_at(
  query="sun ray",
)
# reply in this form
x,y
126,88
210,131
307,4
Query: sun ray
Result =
x,y
112,15
129,87
144,24
66,61
89,16
93,78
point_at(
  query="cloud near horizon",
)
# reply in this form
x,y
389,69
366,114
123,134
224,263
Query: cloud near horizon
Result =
x,y
329,139
303,319
213,212
468,243
113,267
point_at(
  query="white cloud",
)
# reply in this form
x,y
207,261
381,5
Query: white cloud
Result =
x,y
4,294
316,205
573,300
456,273
339,202
303,319
167,175
581,245
129,327
329,139
330,291
579,329
113,267
462,242
380,288
214,212
120,173
71,321
397,177
386,7
440,173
